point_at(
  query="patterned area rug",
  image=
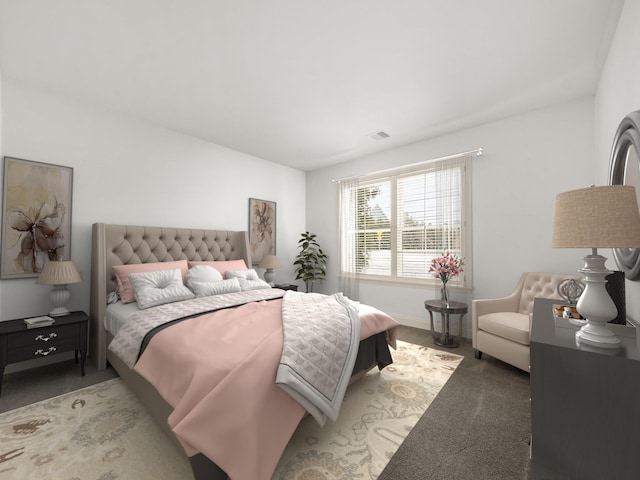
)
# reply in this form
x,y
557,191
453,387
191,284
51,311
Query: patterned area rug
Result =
x,y
378,413
100,432
103,433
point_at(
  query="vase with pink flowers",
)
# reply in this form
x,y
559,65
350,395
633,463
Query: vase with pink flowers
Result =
x,y
445,267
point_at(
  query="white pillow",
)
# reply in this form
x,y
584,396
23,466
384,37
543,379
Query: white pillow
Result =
x,y
202,273
247,273
206,289
159,287
254,284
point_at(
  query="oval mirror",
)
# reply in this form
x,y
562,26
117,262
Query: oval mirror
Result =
x,y
624,169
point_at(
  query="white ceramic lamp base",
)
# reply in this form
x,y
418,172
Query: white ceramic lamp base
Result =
x,y
596,306
59,296
269,276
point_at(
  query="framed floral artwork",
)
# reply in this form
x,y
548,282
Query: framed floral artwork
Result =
x,y
36,216
262,229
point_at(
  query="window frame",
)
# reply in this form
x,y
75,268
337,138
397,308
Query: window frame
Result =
x,y
464,281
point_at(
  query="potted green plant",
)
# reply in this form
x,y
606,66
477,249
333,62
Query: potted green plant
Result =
x,y
311,262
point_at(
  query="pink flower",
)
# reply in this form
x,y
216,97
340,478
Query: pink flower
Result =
x,y
447,266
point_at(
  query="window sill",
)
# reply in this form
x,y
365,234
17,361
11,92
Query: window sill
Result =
x,y
408,282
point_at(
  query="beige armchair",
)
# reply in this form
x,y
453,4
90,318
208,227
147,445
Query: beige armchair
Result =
x,y
501,327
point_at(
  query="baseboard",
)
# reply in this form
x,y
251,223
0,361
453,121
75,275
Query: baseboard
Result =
x,y
420,323
423,324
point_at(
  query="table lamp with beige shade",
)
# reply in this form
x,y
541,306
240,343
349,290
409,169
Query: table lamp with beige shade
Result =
x,y
597,217
59,274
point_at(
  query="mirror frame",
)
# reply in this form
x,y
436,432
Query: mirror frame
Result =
x,y
627,137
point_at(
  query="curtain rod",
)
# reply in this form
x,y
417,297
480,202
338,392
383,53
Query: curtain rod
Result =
x,y
477,152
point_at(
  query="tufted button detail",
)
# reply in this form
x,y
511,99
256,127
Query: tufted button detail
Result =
x,y
543,285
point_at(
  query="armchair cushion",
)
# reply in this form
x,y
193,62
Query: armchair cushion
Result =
x,y
509,325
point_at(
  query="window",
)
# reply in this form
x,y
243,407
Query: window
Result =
x,y
393,224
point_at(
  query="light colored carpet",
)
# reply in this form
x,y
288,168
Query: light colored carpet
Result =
x,y
103,433
100,432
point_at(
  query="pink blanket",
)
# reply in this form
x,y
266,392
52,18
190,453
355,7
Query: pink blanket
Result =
x,y
218,373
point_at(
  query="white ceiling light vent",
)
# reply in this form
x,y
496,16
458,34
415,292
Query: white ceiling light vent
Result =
x,y
377,136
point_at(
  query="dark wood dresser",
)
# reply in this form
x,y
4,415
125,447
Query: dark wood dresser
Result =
x,y
585,402
19,343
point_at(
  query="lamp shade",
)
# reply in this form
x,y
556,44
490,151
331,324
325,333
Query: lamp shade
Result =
x,y
269,261
597,217
59,273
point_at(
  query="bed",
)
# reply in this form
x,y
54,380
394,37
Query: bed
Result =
x,y
120,245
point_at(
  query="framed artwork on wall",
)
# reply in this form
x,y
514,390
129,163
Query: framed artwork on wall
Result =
x,y
262,229
36,216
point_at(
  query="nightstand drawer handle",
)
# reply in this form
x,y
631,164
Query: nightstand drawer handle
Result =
x,y
43,353
46,339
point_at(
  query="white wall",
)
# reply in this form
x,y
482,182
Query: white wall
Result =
x,y
618,94
131,172
527,161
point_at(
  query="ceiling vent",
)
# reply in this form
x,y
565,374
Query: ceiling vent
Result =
x,y
379,135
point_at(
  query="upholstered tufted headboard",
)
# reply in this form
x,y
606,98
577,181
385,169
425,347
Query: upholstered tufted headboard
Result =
x,y
126,244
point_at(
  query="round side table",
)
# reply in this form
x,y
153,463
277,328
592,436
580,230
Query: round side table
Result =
x,y
444,338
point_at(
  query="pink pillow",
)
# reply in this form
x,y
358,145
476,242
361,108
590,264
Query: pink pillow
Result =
x,y
123,271
222,265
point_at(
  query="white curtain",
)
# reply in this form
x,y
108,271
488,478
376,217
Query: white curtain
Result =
x,y
348,280
449,199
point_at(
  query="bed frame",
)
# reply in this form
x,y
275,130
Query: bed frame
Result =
x,y
125,244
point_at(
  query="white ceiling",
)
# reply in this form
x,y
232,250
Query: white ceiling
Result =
x,y
303,82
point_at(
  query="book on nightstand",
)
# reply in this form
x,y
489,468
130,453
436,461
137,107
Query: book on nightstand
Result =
x,y
35,322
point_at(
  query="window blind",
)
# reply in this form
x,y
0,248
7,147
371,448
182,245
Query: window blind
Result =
x,y
403,220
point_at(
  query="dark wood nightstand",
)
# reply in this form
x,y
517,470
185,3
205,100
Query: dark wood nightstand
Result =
x,y
286,286
19,343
